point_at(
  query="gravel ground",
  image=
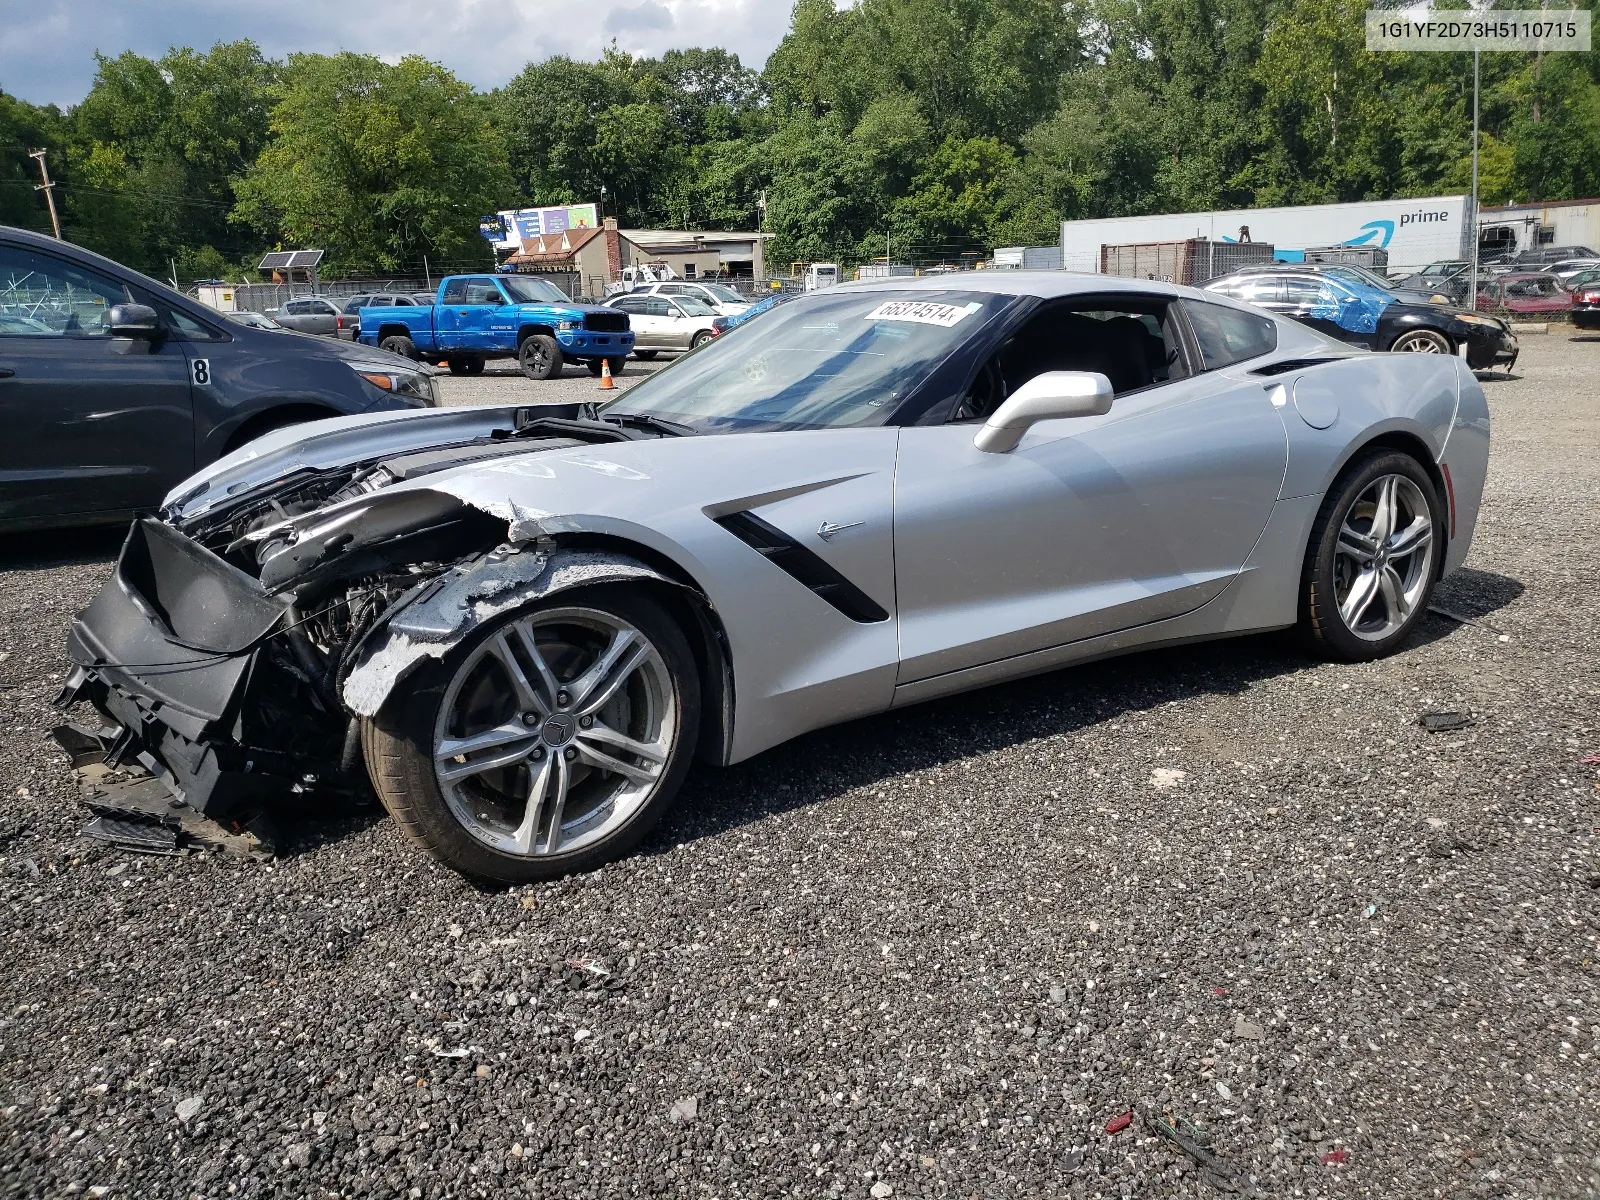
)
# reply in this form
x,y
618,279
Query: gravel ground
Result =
x,y
502,382
928,954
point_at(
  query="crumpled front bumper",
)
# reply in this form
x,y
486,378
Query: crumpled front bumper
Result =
x,y
164,657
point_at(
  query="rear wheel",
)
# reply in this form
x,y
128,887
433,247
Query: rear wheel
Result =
x,y
1422,341
1373,558
539,356
644,355
700,339
547,743
399,344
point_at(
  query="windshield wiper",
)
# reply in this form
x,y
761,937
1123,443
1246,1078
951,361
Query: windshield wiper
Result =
x,y
646,421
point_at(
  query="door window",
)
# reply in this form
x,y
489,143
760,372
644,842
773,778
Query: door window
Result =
x,y
455,292
42,296
1132,340
673,289
655,307
1227,336
483,291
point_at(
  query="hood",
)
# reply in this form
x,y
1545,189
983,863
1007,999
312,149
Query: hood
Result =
x,y
336,442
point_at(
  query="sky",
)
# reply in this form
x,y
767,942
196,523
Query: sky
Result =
x,y
47,46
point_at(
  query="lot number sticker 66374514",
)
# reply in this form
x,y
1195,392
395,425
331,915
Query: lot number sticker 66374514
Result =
x,y
201,368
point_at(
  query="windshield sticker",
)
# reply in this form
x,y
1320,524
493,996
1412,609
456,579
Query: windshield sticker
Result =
x,y
923,312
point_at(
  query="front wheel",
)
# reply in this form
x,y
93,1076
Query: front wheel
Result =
x,y
539,356
466,366
546,743
1373,559
1422,341
401,345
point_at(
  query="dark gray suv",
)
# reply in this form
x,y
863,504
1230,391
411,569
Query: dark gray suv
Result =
x,y
113,387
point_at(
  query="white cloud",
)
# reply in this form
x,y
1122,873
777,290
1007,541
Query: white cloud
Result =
x,y
47,48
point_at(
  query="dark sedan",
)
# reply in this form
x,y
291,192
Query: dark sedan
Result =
x,y
1373,317
1586,306
114,388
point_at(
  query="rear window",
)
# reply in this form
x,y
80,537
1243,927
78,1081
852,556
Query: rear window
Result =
x,y
1227,335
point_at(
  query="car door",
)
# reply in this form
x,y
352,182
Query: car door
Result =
x,y
322,318
94,424
449,314
680,326
634,306
1094,524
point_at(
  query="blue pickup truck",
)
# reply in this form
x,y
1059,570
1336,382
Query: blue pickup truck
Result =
x,y
478,317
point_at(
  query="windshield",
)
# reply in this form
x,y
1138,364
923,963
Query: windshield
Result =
x,y
1361,275
723,295
527,290
695,308
823,360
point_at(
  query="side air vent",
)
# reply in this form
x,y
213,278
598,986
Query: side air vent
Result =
x,y
789,556
1291,364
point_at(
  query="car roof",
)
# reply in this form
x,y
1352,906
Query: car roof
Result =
x,y
1043,284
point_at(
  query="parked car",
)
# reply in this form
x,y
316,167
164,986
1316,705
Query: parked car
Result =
x,y
474,318
1525,293
666,322
1352,273
872,496
113,387
1580,279
1372,317
349,322
1543,257
719,297
308,314
1564,271
253,319
764,305
1586,306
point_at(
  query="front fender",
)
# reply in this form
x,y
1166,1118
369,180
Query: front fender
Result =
x,y
431,621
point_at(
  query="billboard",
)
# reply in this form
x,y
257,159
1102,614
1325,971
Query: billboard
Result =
x,y
1414,232
507,228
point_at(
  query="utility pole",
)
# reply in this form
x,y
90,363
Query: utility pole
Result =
x,y
1475,219
49,190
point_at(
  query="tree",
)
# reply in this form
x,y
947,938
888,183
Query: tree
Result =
x,y
379,165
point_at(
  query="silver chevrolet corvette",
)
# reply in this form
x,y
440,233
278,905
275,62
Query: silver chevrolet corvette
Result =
x,y
521,624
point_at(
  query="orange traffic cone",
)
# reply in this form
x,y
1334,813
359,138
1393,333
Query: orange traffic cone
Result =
x,y
605,375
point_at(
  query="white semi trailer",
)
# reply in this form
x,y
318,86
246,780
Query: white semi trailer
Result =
x,y
1413,232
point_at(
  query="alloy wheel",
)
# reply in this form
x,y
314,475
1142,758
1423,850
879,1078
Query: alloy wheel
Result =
x,y
1384,557
554,731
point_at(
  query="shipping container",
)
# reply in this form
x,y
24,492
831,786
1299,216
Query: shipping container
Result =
x,y
1190,262
1374,258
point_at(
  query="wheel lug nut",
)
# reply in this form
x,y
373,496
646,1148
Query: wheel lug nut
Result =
x,y
538,753
563,699
571,754
530,718
585,722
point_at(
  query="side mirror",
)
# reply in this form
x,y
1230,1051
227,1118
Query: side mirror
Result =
x,y
134,321
1047,397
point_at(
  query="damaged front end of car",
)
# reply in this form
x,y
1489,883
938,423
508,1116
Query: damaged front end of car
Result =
x,y
219,676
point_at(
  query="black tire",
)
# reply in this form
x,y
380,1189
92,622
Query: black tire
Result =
x,y
398,745
399,344
596,369
1326,581
1422,341
539,356
593,366
700,339
465,366
617,364
645,355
